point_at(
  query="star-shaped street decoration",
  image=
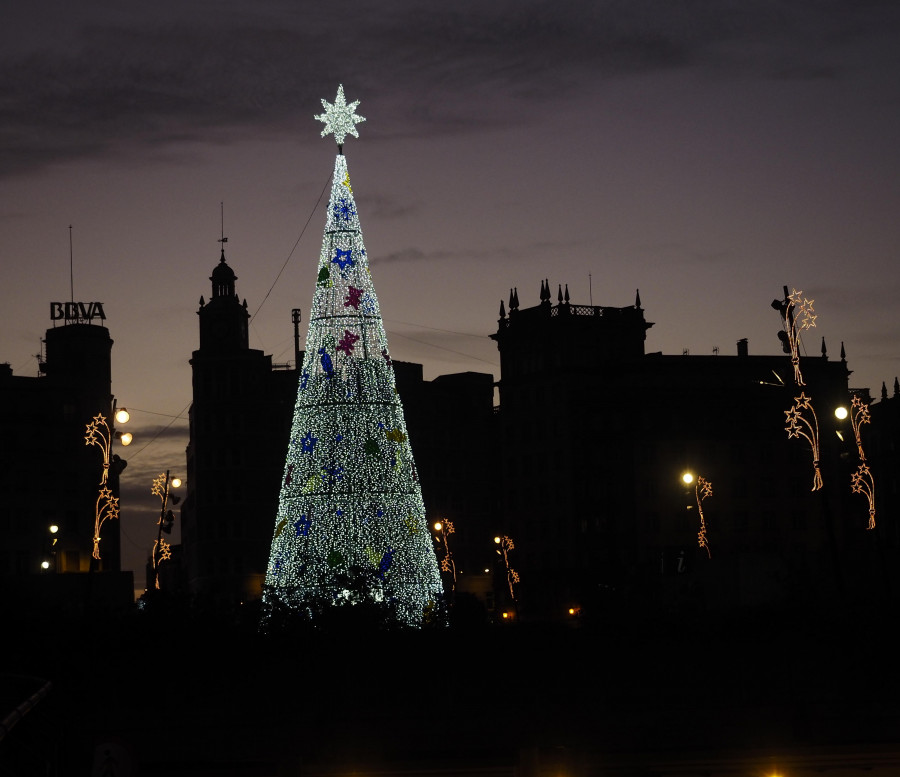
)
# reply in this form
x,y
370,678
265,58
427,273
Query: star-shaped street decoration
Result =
x,y
793,418
803,401
340,118
858,479
862,410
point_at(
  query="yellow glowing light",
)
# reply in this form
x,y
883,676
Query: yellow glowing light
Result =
x,y
438,526
497,540
126,438
175,482
841,413
505,615
123,416
54,528
45,565
687,478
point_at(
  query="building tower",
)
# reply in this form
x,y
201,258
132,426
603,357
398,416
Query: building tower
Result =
x,y
238,430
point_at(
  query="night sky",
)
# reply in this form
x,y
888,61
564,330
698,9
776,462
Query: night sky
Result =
x,y
706,153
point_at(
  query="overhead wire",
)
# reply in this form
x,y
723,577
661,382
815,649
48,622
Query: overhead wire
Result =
x,y
302,232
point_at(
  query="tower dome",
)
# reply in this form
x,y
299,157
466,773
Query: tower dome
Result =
x,y
223,279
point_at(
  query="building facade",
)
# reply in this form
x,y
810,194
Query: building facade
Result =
x,y
596,434
51,477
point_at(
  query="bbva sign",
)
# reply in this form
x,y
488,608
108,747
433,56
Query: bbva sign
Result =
x,y
76,311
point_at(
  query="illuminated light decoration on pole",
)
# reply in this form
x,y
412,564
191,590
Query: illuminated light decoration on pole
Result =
x,y
862,481
162,550
702,490
797,315
512,577
445,528
801,421
98,433
350,527
106,507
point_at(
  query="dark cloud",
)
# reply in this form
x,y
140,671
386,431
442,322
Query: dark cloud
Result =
x,y
124,76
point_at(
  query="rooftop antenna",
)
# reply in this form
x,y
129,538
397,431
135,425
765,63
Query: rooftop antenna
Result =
x,y
71,270
223,240
590,290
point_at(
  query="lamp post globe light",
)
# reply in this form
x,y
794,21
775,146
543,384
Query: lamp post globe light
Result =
x,y
49,560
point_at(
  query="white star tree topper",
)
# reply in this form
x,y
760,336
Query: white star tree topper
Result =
x,y
340,118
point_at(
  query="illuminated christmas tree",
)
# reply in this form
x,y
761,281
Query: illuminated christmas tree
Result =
x,y
350,530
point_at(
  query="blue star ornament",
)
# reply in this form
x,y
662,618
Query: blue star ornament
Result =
x,y
308,443
342,258
340,118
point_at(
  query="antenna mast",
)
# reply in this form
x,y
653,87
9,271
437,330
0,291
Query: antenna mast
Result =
x,y
71,270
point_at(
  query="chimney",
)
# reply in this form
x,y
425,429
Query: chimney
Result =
x,y
743,350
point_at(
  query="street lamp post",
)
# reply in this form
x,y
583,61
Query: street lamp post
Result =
x,y
162,550
445,528
49,561
702,489
506,544
99,433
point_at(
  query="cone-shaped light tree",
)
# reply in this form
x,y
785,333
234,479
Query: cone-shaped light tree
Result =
x,y
350,529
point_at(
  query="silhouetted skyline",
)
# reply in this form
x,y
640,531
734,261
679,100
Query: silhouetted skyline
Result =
x,y
705,158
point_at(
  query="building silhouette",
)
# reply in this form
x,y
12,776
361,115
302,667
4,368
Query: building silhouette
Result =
x,y
239,424
580,465
595,434
51,478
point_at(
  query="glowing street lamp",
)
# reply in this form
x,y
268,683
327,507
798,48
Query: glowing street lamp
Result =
x,y
50,562
162,550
